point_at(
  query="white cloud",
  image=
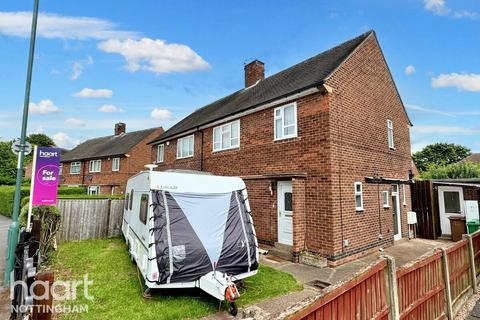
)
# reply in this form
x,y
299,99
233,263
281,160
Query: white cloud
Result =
x,y
109,108
93,93
43,107
428,110
436,6
75,122
79,66
461,81
63,140
443,130
55,26
161,114
155,56
410,70
439,7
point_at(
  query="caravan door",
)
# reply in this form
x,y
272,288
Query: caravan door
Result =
x,y
450,202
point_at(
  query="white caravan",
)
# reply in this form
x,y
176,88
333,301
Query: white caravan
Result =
x,y
188,230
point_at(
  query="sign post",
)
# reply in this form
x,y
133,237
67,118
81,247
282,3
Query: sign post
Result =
x,y
45,174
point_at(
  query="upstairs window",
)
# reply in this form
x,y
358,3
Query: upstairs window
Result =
x,y
160,152
75,167
391,144
358,196
143,208
185,147
285,124
95,166
226,136
116,164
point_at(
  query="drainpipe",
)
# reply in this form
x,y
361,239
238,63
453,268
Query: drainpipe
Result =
x,y
201,152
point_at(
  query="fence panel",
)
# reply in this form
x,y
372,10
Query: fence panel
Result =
x,y
362,298
89,219
458,265
421,289
476,251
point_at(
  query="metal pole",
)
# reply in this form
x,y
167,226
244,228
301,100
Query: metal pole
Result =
x,y
14,227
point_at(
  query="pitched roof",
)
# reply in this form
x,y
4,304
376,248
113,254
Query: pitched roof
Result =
x,y
474,157
106,146
304,75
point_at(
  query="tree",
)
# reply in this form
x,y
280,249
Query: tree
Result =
x,y
41,140
460,170
8,164
440,154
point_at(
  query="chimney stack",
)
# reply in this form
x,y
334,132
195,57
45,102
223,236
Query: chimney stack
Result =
x,y
254,72
120,128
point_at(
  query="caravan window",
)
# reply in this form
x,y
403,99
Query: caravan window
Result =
x,y
143,208
130,205
126,201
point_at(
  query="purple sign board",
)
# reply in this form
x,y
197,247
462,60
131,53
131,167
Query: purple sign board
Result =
x,y
45,179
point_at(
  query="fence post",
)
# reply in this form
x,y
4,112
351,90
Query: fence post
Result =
x,y
392,285
446,279
471,256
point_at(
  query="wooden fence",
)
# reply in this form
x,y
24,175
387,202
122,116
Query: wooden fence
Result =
x,y
433,287
425,204
90,219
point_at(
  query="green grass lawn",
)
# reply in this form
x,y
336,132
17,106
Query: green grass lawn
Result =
x,y
118,295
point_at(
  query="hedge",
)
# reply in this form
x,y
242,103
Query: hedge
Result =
x,y
7,194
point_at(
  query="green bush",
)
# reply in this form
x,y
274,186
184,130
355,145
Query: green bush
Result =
x,y
7,194
461,170
50,219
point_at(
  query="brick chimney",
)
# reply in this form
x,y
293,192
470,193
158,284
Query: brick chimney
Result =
x,y
120,128
254,72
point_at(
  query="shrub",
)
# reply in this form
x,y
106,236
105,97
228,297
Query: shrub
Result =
x,y
7,194
461,170
50,219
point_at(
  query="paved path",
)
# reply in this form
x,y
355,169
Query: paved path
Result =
x,y
4,224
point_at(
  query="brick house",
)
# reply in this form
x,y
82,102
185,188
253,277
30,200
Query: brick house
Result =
x,y
104,164
323,146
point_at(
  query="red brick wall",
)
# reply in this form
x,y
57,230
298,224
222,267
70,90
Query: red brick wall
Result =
x,y
364,97
131,164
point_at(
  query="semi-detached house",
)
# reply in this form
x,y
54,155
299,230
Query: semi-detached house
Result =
x,y
323,146
104,164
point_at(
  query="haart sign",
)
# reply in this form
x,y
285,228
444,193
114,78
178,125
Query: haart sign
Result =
x,y
45,177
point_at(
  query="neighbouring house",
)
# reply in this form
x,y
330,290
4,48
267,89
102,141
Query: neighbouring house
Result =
x,y
323,146
474,158
104,164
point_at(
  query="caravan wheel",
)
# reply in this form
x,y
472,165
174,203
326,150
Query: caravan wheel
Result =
x,y
232,308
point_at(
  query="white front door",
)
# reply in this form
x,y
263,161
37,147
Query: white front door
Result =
x,y
450,202
285,212
397,219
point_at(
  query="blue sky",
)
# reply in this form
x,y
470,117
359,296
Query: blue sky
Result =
x,y
150,63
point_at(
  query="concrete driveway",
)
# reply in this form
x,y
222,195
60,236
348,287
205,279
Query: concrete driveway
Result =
x,y
4,224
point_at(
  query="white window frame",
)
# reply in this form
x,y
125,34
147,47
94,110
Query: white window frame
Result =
x,y
226,128
160,153
60,169
75,164
180,149
404,195
96,188
92,167
117,162
282,117
386,201
358,193
391,142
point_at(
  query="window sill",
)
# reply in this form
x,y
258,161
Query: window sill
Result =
x,y
74,174
226,149
392,148
285,138
360,209
386,207
184,157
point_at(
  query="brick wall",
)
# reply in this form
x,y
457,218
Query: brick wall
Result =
x,y
130,164
364,97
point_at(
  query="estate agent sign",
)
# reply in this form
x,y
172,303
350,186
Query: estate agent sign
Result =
x,y
45,176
